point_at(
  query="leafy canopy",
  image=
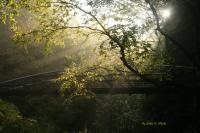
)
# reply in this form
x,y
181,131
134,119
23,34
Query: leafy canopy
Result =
x,y
120,32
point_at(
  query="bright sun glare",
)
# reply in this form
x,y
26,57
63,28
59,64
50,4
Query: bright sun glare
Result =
x,y
166,13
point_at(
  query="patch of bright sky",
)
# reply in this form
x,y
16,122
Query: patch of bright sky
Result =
x,y
135,13
132,15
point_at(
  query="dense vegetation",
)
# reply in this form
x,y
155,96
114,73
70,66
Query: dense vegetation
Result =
x,y
95,40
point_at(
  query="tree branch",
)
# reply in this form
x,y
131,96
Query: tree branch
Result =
x,y
143,77
123,56
104,31
176,43
80,27
84,11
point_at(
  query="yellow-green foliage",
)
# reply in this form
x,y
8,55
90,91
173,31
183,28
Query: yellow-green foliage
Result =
x,y
51,22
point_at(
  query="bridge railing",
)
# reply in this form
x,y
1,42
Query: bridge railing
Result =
x,y
41,83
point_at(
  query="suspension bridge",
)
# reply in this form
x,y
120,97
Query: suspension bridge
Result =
x,y
46,84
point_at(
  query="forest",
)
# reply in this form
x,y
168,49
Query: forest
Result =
x,y
99,66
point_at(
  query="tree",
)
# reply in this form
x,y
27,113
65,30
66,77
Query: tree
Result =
x,y
129,36
122,29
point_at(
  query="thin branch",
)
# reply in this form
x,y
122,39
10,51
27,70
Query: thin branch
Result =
x,y
79,27
103,42
84,11
51,31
